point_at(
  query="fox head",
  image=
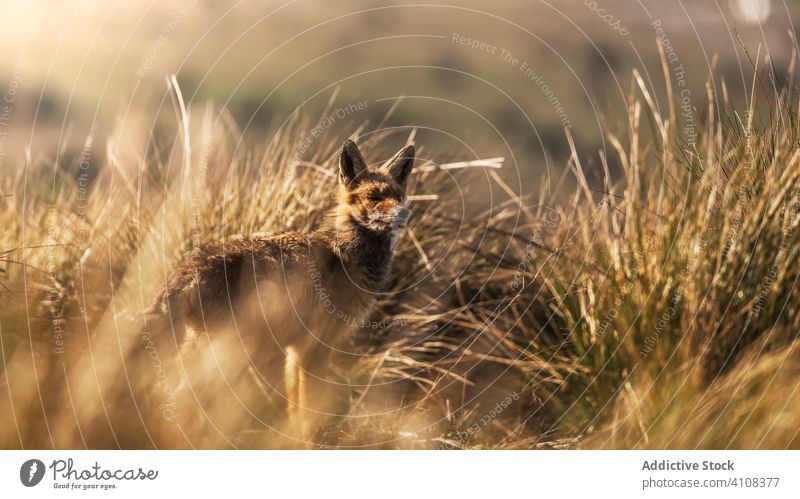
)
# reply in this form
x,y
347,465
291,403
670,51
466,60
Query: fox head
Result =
x,y
374,199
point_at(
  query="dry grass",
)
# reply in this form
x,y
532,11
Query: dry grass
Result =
x,y
662,312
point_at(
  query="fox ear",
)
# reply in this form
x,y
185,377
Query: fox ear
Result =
x,y
351,163
399,167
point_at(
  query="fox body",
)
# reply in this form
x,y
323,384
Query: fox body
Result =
x,y
286,297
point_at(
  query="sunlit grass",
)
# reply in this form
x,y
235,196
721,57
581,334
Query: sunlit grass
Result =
x,y
658,309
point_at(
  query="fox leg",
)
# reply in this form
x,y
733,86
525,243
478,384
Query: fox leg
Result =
x,y
295,382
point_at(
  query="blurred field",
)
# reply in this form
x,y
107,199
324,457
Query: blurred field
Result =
x,y
102,65
629,281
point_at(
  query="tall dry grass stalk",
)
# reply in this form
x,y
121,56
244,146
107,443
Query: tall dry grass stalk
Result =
x,y
656,310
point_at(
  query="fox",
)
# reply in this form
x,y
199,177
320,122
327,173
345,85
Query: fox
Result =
x,y
287,297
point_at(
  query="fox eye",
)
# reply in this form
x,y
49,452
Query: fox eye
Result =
x,y
375,197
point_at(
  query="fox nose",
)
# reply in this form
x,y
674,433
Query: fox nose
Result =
x,y
403,214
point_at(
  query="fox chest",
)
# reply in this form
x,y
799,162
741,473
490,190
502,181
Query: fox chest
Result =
x,y
308,298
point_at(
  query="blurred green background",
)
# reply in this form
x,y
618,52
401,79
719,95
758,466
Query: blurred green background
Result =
x,y
479,79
